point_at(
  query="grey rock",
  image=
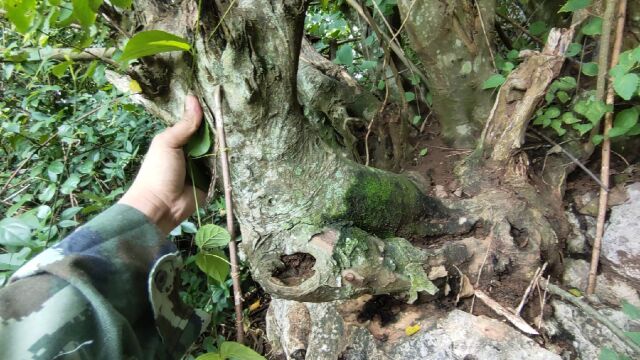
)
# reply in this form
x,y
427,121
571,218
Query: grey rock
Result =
x,y
620,244
458,335
577,240
587,335
610,288
440,191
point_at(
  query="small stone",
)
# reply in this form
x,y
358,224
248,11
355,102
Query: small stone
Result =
x,y
576,241
458,192
440,192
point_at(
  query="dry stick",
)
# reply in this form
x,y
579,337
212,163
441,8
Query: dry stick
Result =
x,y
484,31
544,300
484,261
534,280
396,49
587,309
226,179
521,28
606,155
516,320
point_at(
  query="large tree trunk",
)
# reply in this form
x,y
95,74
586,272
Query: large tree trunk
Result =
x,y
452,39
316,225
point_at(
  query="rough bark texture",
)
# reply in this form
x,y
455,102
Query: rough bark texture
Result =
x,y
448,38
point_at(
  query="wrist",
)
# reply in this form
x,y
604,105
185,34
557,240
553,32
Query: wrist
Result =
x,y
154,208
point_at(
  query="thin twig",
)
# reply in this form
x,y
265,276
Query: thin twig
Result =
x,y
226,179
484,261
572,158
587,309
516,320
406,17
534,280
606,154
484,31
521,28
544,301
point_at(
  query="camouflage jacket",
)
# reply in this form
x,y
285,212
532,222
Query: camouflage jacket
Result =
x,y
107,291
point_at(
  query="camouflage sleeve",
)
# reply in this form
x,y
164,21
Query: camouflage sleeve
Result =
x,y
107,291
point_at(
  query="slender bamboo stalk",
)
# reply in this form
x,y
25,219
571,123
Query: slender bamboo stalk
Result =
x,y
606,154
226,179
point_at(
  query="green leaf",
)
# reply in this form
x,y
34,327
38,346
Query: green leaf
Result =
x,y
381,85
563,96
20,13
568,118
85,11
593,27
634,336
214,264
14,232
409,96
626,85
70,212
424,152
416,120
634,130
236,351
212,236
573,49
152,42
199,144
344,55
537,28
60,69
67,223
632,311
47,193
123,4
566,83
597,139
573,5
557,126
70,184
552,112
493,82
210,356
607,354
626,119
583,128
591,109
590,69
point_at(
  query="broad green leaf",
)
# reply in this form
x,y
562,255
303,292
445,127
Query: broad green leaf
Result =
x,y
590,69
70,212
563,96
493,82
123,4
85,11
20,13
566,83
409,96
573,5
188,227
626,85
573,49
381,85
344,55
199,144
608,354
626,119
60,69
632,311
593,27
634,130
416,120
424,152
152,42
591,109
13,261
597,139
368,64
569,118
210,356
236,351
14,232
214,264
583,128
67,223
557,126
70,184
212,236
552,112
47,193
537,28
634,336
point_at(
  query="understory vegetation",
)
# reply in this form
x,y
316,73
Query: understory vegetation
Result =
x,y
71,141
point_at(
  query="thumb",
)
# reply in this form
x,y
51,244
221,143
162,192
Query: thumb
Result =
x,y
178,135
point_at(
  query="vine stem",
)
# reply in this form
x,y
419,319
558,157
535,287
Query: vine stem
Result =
x,y
226,179
606,152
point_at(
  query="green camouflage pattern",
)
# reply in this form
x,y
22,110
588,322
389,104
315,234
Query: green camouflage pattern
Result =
x,y
107,291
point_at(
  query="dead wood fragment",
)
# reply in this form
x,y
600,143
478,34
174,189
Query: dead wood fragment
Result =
x,y
534,280
606,153
517,321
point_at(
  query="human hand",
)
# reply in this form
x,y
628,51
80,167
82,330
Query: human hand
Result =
x,y
160,190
